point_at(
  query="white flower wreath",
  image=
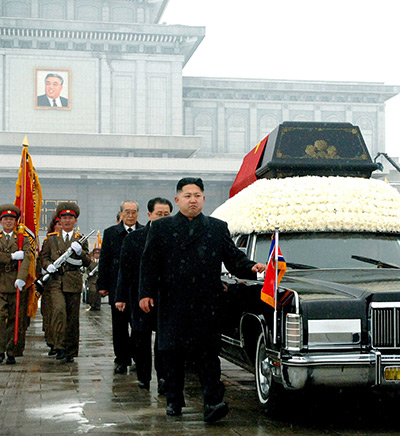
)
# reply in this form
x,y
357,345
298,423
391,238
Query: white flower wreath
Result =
x,y
312,203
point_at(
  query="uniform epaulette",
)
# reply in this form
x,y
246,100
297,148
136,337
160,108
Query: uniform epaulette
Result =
x,y
53,233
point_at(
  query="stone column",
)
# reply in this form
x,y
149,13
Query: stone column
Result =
x,y
105,12
83,199
188,128
221,146
175,123
2,96
253,125
105,94
34,8
141,100
379,142
285,113
317,113
349,114
70,9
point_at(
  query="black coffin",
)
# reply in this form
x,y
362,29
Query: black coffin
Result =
x,y
313,148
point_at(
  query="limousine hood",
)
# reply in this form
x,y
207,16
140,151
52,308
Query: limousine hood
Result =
x,y
342,293
350,281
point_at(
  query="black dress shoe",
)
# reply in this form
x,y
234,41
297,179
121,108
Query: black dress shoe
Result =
x,y
52,352
173,410
144,385
10,360
162,387
60,354
215,413
2,357
92,309
120,369
69,359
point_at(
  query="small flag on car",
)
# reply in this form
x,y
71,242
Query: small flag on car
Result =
x,y
272,276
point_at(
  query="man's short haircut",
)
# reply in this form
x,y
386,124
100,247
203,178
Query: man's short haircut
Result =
x,y
190,181
118,215
55,75
158,200
121,208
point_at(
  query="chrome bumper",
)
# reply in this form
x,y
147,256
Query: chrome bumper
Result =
x,y
344,369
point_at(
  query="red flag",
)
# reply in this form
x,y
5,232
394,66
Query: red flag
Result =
x,y
270,284
28,197
247,173
99,241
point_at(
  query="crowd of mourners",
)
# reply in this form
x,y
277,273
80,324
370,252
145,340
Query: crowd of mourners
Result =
x,y
162,277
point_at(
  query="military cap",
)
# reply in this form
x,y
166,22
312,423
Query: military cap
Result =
x,y
68,208
55,218
96,250
9,210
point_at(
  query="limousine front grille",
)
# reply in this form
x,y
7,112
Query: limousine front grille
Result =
x,y
385,325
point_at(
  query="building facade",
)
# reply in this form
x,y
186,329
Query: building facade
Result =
x,y
131,123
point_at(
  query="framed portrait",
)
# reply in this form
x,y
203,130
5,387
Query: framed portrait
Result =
x,y
52,88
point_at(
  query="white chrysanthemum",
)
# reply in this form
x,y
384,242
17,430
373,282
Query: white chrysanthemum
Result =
x,y
313,204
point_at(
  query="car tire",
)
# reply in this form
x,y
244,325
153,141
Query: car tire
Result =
x,y
269,392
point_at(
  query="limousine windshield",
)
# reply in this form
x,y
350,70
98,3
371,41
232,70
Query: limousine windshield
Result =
x,y
334,250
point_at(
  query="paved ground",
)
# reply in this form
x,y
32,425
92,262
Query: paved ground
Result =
x,y
42,396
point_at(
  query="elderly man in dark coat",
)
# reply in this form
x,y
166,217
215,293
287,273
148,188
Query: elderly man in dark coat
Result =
x,y
181,267
124,347
143,324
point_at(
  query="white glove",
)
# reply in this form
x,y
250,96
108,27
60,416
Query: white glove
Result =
x,y
19,283
17,255
261,276
51,269
77,247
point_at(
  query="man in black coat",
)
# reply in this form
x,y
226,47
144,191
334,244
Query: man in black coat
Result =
x,y
180,269
124,347
143,324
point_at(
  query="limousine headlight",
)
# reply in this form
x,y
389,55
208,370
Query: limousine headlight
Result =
x,y
294,332
330,333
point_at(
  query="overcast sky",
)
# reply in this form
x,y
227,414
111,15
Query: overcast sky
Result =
x,y
341,40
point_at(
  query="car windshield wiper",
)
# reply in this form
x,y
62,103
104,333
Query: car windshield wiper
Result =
x,y
299,266
378,263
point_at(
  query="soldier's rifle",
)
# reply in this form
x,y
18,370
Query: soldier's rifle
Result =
x,y
58,263
94,270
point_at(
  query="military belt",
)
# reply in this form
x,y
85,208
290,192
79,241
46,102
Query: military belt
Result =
x,y
66,267
75,262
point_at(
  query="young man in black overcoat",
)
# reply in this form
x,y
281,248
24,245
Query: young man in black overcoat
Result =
x,y
180,269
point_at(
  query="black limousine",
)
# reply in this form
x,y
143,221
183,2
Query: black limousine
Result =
x,y
339,323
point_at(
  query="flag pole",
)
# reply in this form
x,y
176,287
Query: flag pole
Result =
x,y
276,257
21,232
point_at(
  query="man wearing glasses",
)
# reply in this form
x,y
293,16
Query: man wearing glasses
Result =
x,y
124,346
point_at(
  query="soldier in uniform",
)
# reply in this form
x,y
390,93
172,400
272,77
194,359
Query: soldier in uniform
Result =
x,y
11,278
93,297
65,285
45,306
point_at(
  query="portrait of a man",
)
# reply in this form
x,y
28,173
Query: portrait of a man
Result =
x,y
55,85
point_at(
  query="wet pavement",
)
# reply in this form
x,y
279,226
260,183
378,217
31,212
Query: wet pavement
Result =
x,y
42,396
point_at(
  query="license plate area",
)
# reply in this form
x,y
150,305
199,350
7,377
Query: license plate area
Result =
x,y
392,374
